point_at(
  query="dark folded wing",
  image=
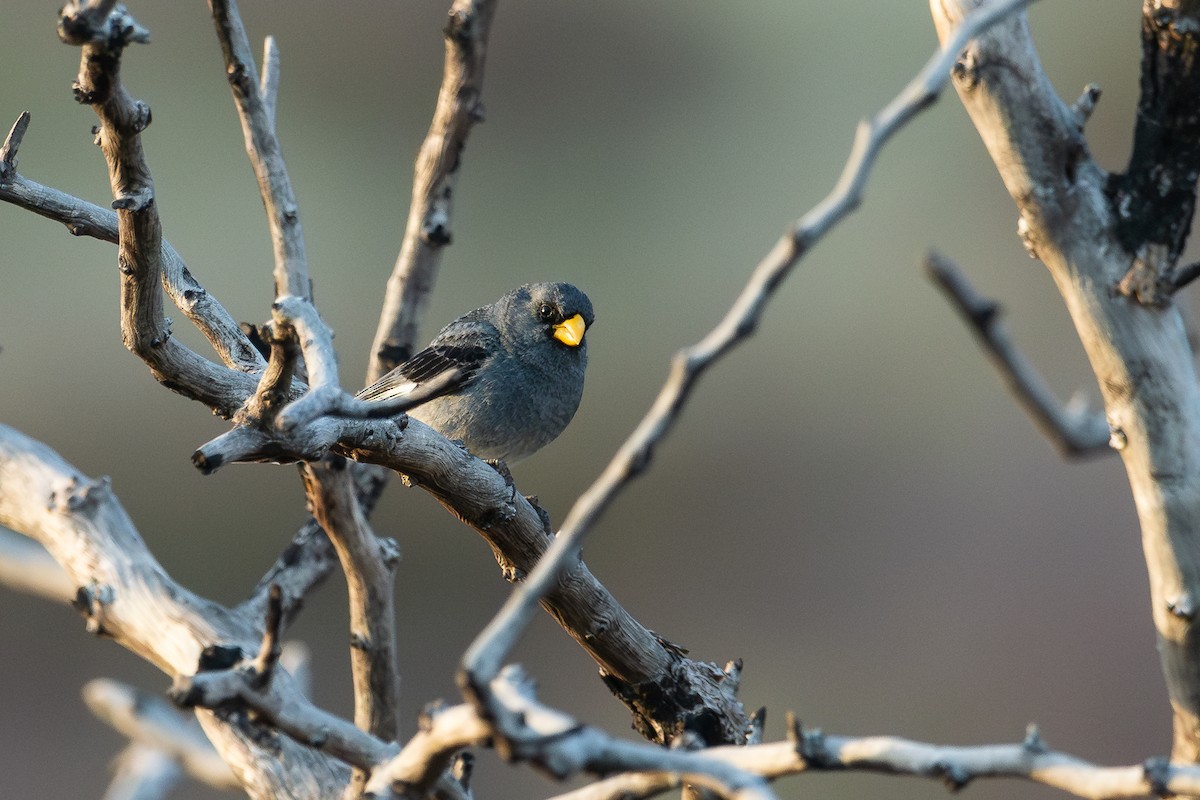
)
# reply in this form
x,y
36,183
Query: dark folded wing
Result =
x,y
448,366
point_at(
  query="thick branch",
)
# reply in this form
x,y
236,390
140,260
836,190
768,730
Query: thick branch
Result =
x,y
369,564
125,595
1138,351
1074,431
459,107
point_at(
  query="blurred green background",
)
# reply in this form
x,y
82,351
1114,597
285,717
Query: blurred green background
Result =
x,y
851,503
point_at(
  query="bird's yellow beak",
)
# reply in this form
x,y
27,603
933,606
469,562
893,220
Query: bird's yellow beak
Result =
x,y
570,332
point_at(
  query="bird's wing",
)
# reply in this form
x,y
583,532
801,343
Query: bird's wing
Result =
x,y
446,366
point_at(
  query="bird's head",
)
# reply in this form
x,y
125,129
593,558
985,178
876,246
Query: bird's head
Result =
x,y
559,311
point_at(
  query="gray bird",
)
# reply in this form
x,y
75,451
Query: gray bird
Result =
x,y
513,372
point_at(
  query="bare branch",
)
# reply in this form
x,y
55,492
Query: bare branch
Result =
x,y
144,329
270,649
292,715
529,731
427,755
340,404
1107,252
150,721
369,565
1074,431
262,148
127,596
277,384
490,649
812,751
459,107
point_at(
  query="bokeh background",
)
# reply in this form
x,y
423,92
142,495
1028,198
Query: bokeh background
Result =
x,y
851,503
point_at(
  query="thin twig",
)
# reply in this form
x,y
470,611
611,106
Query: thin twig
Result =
x,y
268,652
368,564
485,655
262,148
276,384
1074,431
459,107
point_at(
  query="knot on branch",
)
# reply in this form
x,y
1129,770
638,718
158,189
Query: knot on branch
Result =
x,y
81,495
460,28
809,744
105,24
954,775
1149,279
965,70
695,696
92,601
138,200
239,79
435,228
1157,772
224,671
1033,743
1182,606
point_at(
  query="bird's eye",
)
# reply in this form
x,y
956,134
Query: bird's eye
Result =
x,y
546,311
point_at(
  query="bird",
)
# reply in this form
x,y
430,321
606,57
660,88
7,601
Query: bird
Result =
x,y
504,379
